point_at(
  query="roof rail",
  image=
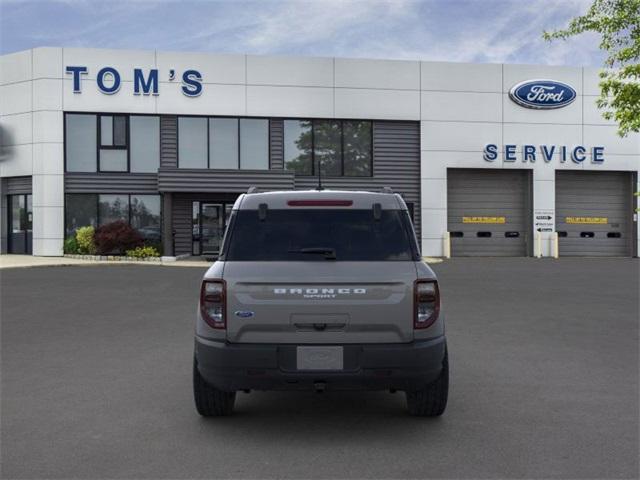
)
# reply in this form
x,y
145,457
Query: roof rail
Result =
x,y
252,190
386,190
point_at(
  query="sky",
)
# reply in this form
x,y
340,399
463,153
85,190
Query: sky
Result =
x,y
486,31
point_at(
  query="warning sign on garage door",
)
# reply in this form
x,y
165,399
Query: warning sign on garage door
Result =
x,y
544,220
484,220
587,220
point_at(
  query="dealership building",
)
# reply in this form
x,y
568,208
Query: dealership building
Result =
x,y
492,159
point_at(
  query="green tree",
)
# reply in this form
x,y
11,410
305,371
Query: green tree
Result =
x,y
618,23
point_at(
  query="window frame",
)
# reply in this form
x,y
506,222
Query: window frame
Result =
x,y
101,147
234,117
341,121
98,116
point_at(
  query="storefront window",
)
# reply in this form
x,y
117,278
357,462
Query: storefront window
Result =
x,y
112,208
327,142
297,146
145,217
127,143
80,142
195,228
142,212
357,148
254,144
113,160
344,147
106,131
80,211
17,213
145,144
223,142
192,142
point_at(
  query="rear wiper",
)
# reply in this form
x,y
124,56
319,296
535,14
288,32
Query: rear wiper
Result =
x,y
329,253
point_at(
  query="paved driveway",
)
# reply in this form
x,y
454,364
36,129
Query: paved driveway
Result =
x,y
96,365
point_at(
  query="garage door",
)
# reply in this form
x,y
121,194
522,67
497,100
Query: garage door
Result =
x,y
488,212
593,213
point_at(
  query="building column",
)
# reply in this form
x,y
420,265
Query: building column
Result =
x,y
433,203
544,204
167,225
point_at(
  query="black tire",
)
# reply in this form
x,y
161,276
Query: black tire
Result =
x,y
431,401
211,402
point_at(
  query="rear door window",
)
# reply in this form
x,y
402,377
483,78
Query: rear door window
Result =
x,y
320,235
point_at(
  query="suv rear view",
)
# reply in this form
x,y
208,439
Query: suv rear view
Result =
x,y
320,290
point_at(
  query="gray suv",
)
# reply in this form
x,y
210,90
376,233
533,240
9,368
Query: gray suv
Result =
x,y
320,290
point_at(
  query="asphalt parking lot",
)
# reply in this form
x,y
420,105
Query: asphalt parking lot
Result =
x,y
96,383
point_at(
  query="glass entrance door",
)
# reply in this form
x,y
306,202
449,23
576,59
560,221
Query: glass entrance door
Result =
x,y
20,222
211,228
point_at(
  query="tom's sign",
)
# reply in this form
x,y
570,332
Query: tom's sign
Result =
x,y
108,80
542,94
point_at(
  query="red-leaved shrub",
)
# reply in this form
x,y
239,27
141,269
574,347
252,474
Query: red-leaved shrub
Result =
x,y
116,238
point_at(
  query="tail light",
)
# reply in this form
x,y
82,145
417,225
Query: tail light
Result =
x,y
427,303
213,303
320,203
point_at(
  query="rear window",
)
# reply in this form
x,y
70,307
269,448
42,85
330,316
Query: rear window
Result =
x,y
320,235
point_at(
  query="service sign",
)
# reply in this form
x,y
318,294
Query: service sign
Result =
x,y
511,152
542,94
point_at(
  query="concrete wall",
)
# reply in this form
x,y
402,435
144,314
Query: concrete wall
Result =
x,y
461,107
32,141
465,107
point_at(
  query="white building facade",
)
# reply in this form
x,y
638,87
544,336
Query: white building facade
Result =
x,y
167,140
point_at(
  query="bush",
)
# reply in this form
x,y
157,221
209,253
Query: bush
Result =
x,y
143,252
70,245
116,238
85,241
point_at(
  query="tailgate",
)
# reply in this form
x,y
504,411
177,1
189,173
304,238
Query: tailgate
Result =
x,y
319,302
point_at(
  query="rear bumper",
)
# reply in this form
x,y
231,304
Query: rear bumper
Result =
x,y
406,366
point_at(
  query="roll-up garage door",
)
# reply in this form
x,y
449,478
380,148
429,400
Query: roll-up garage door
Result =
x,y
594,213
489,212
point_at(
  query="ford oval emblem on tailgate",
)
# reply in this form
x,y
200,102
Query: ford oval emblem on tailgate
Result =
x,y
244,314
542,94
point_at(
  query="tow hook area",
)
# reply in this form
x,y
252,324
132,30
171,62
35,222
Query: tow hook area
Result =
x,y
319,386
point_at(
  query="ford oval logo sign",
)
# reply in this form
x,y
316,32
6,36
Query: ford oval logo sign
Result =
x,y
542,94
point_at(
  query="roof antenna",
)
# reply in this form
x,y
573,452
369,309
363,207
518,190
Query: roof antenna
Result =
x,y
320,175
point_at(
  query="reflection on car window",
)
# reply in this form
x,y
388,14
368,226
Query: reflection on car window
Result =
x,y
354,235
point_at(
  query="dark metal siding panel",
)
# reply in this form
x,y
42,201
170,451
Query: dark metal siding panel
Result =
x,y
594,194
18,185
396,164
182,214
230,181
276,145
488,193
168,141
110,183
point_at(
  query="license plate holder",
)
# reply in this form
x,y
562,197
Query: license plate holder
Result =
x,y
319,358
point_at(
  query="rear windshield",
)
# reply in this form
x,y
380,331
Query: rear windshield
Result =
x,y
320,235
